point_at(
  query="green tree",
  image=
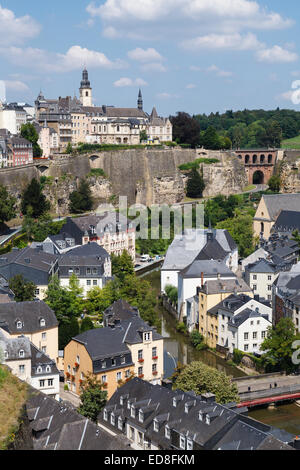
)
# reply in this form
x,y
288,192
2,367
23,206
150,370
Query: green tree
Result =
x,y
143,136
67,331
274,183
24,290
81,200
93,398
186,129
172,293
195,184
278,347
34,202
7,205
241,230
65,302
69,149
29,132
122,265
197,340
86,325
201,378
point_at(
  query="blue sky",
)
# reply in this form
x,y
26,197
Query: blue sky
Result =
x,y
198,56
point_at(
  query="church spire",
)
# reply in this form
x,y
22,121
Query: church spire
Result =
x,y
140,101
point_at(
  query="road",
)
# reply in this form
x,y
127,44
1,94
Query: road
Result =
x,y
68,396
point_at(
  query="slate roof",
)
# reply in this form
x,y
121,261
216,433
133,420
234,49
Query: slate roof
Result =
x,y
276,203
225,285
89,250
211,268
262,266
40,360
14,345
34,264
186,247
119,310
57,426
287,221
29,313
110,111
220,426
231,303
243,316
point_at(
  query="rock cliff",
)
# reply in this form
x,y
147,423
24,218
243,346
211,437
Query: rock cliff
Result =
x,y
144,176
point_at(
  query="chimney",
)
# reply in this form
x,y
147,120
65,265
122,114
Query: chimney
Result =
x,y
297,443
202,279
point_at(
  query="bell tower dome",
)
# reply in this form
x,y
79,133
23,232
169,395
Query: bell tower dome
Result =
x,y
85,90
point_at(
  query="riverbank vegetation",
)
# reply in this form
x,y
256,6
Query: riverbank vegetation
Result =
x,y
200,378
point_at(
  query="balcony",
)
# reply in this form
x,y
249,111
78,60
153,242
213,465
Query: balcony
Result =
x,y
141,361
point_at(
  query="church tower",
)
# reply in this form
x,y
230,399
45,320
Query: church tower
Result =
x,y
85,90
140,101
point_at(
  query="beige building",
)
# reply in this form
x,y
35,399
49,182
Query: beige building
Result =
x,y
48,140
33,320
116,352
210,295
269,209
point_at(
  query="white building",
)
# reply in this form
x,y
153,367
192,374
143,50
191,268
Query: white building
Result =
x,y
30,364
207,244
260,276
12,117
242,323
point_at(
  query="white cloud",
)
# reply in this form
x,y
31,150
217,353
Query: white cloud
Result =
x,y
74,59
145,55
15,30
129,82
153,67
212,69
276,54
16,85
111,33
166,96
156,18
236,42
190,86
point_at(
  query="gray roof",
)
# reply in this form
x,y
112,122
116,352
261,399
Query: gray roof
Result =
x,y
231,303
187,246
88,250
278,202
39,360
226,285
60,427
119,310
243,316
288,221
110,111
210,268
262,266
228,424
14,345
29,313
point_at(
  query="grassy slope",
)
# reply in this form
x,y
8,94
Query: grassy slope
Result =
x,y
291,143
12,398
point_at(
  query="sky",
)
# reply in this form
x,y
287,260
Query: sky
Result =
x,y
197,56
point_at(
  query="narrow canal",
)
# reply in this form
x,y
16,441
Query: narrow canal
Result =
x,y
179,349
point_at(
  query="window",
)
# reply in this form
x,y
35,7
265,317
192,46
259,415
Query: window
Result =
x,y
50,382
44,349
120,424
113,363
140,354
104,379
263,334
95,282
21,353
112,419
182,442
269,278
140,371
103,365
141,416
254,277
155,425
119,376
88,282
37,292
21,369
19,325
123,360
269,288
42,383
154,367
147,337
246,347
127,374
254,287
132,412
167,432
189,444
154,352
254,335
44,336
48,369
255,346
5,355
246,336
105,416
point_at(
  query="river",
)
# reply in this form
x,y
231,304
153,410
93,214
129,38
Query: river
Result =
x,y
179,349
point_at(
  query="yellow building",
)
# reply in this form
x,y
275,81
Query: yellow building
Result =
x,y
210,294
34,320
269,209
114,354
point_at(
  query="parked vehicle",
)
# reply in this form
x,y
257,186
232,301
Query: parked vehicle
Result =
x,y
145,258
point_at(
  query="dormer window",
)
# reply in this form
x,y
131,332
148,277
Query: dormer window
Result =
x,y
120,424
121,401
167,432
19,325
175,401
105,416
189,444
112,419
48,369
141,416
5,355
155,425
21,353
182,442
200,416
42,322
39,370
207,419
147,336
132,412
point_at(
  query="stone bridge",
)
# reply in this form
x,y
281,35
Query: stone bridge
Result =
x,y
259,164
